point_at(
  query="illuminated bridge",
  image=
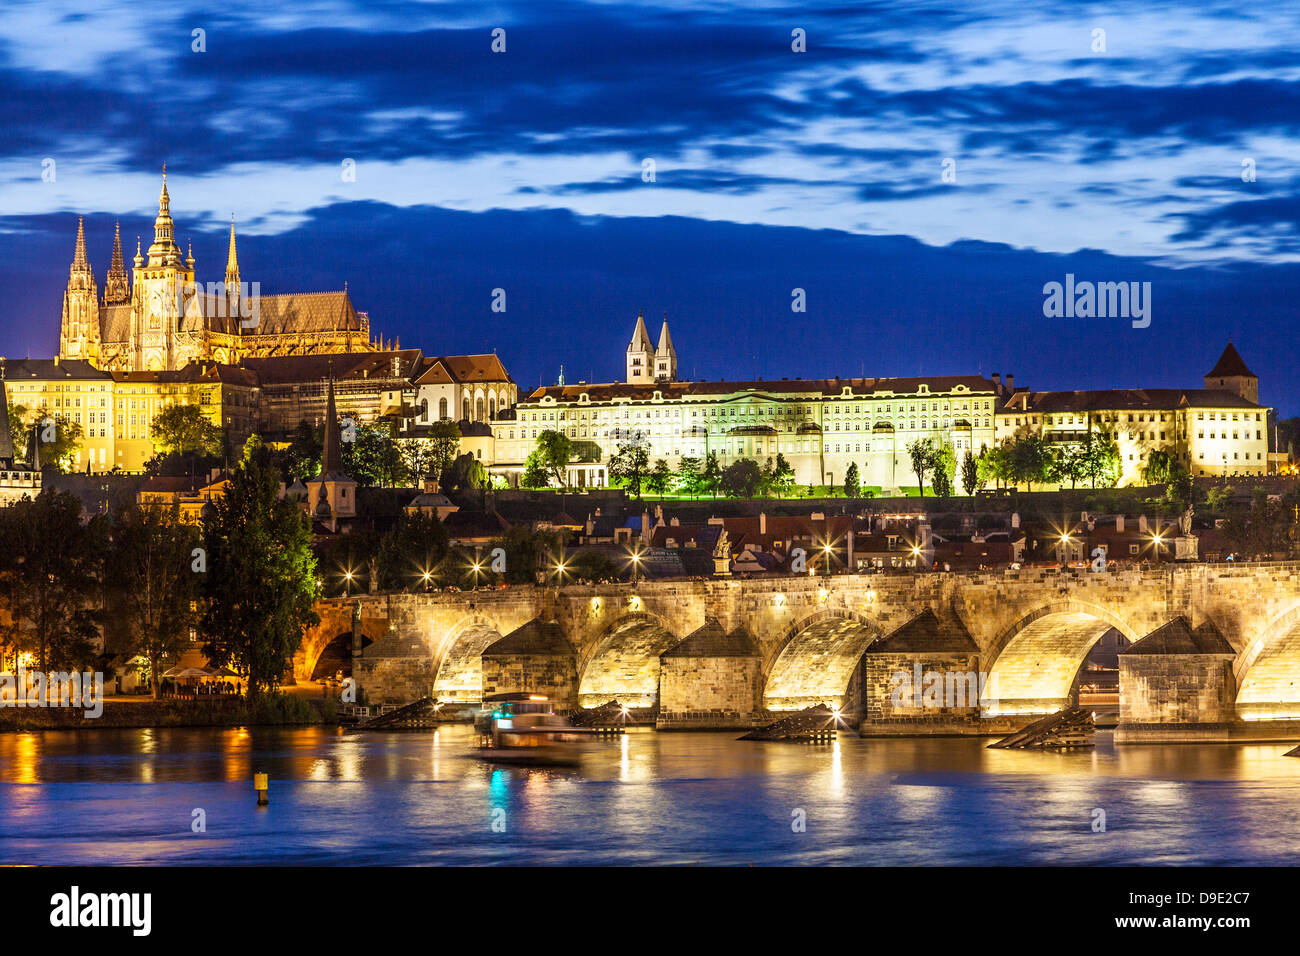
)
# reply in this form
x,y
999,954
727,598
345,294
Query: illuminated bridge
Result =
x,y
1214,645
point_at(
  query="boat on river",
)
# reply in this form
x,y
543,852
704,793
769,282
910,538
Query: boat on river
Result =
x,y
525,730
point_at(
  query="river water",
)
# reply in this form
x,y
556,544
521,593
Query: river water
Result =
x,y
130,796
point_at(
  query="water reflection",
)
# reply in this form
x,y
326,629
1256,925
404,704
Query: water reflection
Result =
x,y
641,797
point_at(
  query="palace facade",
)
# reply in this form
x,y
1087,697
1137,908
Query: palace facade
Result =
x,y
820,426
161,317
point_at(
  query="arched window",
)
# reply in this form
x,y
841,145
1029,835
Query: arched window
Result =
x,y
492,406
465,408
442,408
424,409
478,410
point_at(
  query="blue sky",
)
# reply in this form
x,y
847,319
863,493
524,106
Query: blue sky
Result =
x,y
774,170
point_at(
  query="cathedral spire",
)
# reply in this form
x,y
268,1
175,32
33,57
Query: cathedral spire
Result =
x,y
79,261
232,259
116,288
164,251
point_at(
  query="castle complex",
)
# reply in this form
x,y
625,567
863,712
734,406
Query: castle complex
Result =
x,y
163,318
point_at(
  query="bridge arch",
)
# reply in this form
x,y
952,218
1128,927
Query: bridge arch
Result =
x,y
1269,677
458,659
1034,662
334,635
816,658
624,665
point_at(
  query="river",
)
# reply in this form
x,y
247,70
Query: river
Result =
x,y
130,796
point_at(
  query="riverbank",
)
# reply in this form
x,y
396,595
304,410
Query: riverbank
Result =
x,y
119,713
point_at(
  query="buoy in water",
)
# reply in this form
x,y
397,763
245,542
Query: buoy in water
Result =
x,y
260,785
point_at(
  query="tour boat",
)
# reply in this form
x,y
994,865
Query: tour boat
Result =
x,y
525,730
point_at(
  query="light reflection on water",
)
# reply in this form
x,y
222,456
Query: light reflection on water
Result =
x,y
126,797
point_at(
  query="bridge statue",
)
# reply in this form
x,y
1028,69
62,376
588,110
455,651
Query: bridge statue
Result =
x,y
722,556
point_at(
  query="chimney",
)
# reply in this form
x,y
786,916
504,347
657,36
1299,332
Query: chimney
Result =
x,y
997,382
645,525
1119,522
1011,383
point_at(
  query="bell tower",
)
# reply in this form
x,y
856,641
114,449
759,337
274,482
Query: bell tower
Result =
x,y
640,355
79,330
158,294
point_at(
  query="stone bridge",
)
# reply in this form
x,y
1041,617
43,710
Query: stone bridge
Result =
x,y
724,650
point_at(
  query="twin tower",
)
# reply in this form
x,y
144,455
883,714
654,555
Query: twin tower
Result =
x,y
647,365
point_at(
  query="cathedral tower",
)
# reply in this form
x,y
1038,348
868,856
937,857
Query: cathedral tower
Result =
x,y
159,295
640,356
117,289
79,330
232,282
665,356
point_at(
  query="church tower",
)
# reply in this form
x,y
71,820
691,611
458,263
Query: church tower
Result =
x,y
232,283
640,355
116,288
1230,374
159,294
332,494
665,356
79,330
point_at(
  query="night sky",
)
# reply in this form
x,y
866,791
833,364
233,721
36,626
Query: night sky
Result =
x,y
774,170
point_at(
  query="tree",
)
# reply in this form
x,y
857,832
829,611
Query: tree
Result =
x,y
1066,463
1100,460
970,478
943,465
48,575
443,443
852,487
185,430
410,551
468,474
156,582
711,476
659,478
554,451
921,452
742,479
302,458
374,457
629,465
688,476
260,582
781,477
1029,459
59,438
1160,467
535,475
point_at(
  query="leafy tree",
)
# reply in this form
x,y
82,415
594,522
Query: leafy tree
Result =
x,y
156,583
943,466
414,547
48,576
1100,462
711,476
921,452
742,479
443,443
852,487
554,451
1029,460
688,476
374,457
59,438
527,553
301,459
535,474
260,583
970,476
659,478
1160,467
466,473
185,430
994,465
780,476
629,465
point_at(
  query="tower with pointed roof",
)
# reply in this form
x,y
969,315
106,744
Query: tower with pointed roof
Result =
x,y
117,289
331,495
162,291
1230,374
79,330
640,355
232,279
665,356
